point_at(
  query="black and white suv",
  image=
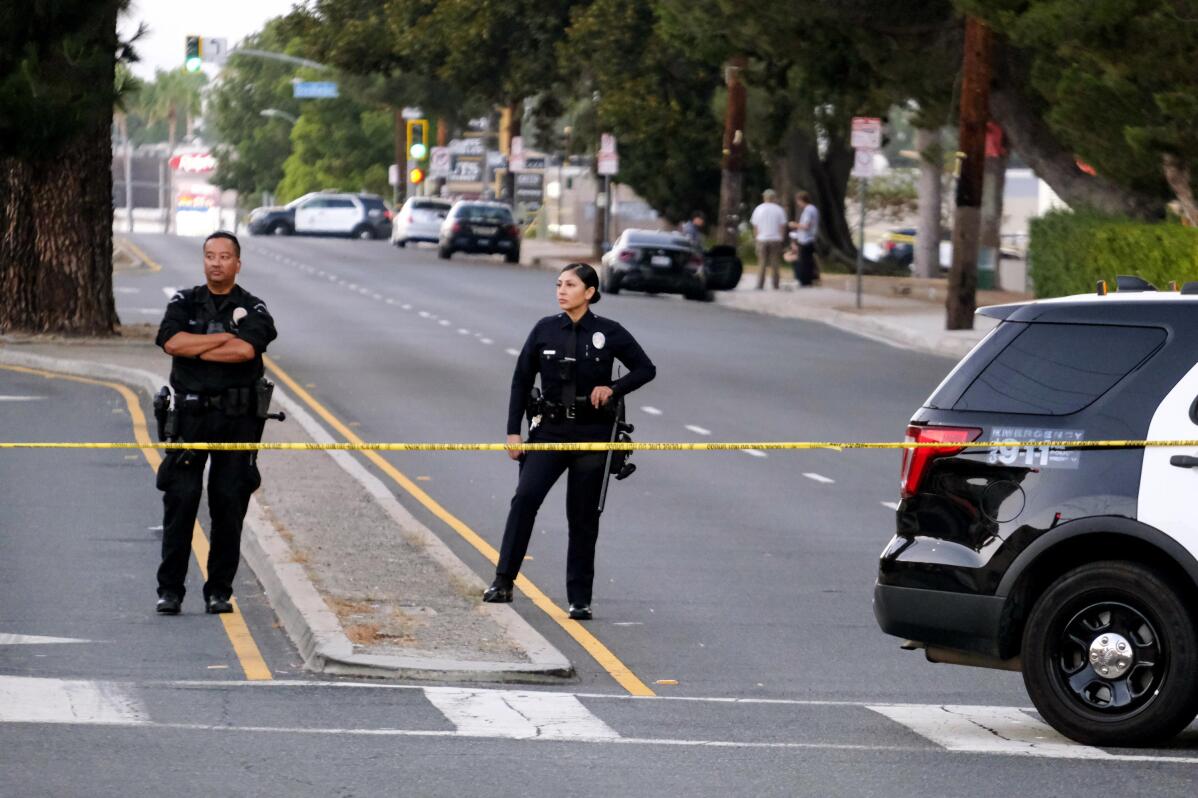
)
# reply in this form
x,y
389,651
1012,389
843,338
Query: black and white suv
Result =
x,y
1076,566
325,213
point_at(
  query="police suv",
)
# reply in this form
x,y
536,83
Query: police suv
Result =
x,y
1077,566
325,213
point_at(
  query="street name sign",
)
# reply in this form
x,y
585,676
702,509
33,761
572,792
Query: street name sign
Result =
x,y
315,90
609,158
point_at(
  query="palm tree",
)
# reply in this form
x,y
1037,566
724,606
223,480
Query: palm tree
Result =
x,y
173,95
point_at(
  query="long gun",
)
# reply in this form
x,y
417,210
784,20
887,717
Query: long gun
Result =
x,y
620,431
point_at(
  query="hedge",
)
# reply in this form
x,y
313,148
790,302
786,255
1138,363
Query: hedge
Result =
x,y
1070,252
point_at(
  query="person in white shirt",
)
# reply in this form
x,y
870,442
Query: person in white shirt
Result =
x,y
804,232
769,231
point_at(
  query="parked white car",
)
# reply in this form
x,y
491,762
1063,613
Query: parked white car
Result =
x,y
419,220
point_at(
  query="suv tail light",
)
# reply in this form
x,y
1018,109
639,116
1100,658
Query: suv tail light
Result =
x,y
695,263
916,461
888,247
457,227
387,214
627,255
513,231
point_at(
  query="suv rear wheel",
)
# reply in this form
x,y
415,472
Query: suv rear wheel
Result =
x,y
280,229
1109,655
364,232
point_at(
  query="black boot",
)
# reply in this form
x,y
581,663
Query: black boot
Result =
x,y
500,592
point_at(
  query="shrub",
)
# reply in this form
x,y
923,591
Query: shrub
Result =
x,y
1070,252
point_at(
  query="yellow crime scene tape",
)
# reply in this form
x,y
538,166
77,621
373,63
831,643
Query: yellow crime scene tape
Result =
x,y
602,446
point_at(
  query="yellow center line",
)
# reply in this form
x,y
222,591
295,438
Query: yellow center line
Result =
x,y
601,653
150,263
244,647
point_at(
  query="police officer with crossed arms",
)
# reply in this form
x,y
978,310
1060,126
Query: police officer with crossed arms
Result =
x,y
215,334
573,352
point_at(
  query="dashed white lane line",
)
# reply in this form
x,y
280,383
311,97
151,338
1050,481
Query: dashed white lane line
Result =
x,y
390,301
126,290
444,322
891,505
698,430
818,478
36,640
513,352
486,341
463,331
405,306
376,296
170,291
653,411
424,314
15,398
755,453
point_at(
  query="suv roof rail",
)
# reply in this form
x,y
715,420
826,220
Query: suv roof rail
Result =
x,y
1130,282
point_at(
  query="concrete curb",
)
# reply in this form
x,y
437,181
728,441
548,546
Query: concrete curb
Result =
x,y
307,619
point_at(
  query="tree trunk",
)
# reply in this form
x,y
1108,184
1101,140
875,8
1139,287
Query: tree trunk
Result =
x,y
515,118
799,167
931,168
1177,173
732,167
56,239
172,124
975,113
1023,121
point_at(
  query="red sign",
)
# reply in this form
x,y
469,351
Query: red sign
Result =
x,y
193,162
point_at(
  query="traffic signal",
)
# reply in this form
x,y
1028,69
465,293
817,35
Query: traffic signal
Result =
x,y
415,176
417,139
193,55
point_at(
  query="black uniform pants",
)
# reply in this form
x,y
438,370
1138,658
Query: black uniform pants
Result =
x,y
538,473
805,264
232,478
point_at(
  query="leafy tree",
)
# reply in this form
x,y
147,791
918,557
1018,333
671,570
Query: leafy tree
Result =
x,y
58,89
338,144
250,148
172,97
1105,81
655,98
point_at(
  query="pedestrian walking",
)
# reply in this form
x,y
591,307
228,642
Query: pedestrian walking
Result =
x,y
215,334
804,230
573,352
769,231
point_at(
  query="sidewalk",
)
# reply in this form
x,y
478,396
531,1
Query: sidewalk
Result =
x,y
360,585
905,312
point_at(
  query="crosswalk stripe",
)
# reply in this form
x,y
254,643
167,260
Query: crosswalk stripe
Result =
x,y
36,640
25,699
518,716
987,730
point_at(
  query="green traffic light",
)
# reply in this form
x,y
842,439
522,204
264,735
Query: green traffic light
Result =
x,y
418,152
193,64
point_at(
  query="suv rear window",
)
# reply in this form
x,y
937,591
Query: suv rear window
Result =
x,y
485,213
429,205
373,203
1046,369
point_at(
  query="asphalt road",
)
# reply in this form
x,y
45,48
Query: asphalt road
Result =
x,y
745,579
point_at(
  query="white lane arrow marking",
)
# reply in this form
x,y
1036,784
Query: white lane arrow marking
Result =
x,y
35,640
518,716
28,700
987,730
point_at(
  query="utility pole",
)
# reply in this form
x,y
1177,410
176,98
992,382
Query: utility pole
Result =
x,y
975,112
732,166
399,190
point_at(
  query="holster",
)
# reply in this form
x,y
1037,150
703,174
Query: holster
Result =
x,y
264,390
166,416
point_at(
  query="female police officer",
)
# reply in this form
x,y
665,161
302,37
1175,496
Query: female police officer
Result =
x,y
573,352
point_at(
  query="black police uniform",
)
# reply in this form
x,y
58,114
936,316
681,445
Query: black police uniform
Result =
x,y
215,403
572,360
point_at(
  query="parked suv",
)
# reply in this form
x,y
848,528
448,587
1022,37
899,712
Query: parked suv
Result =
x,y
476,226
1076,566
325,213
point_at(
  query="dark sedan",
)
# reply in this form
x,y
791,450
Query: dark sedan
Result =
x,y
483,227
655,262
